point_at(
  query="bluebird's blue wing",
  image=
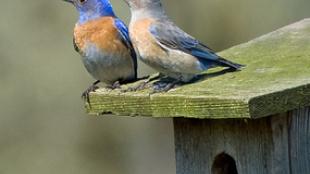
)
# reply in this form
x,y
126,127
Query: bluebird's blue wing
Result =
x,y
169,35
123,31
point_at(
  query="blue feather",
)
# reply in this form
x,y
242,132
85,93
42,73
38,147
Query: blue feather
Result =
x,y
173,37
170,36
123,30
93,9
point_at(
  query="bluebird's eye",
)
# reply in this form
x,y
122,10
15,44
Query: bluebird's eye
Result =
x,y
82,1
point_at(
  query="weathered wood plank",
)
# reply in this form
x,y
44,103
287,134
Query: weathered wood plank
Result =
x,y
275,80
198,142
280,151
299,135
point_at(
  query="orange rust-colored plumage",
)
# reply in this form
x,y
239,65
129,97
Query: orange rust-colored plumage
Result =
x,y
100,32
143,40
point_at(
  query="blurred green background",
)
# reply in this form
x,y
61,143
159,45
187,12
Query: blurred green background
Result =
x,y
43,125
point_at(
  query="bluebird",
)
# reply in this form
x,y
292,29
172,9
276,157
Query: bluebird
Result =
x,y
103,41
165,47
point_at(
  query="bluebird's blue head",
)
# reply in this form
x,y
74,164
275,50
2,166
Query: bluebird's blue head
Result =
x,y
92,9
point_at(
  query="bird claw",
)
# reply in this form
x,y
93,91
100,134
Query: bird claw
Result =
x,y
85,94
164,87
115,85
92,88
143,85
140,86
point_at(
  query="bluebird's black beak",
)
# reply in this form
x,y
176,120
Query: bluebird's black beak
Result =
x,y
70,1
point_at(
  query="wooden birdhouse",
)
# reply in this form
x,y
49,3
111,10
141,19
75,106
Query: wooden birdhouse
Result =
x,y
254,121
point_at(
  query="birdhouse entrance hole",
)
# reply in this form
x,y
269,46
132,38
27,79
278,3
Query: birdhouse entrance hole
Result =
x,y
224,164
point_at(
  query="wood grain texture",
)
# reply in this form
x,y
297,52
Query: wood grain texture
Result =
x,y
198,142
299,135
275,80
277,144
280,152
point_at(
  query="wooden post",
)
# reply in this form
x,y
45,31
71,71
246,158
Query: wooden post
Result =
x,y
255,121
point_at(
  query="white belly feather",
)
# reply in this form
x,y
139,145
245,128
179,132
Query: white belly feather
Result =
x,y
108,68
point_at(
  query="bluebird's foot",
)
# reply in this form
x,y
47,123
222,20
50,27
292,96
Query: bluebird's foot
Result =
x,y
143,84
140,86
115,85
143,78
164,87
92,88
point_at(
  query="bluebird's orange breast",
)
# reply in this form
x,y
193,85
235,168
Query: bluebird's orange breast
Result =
x,y
105,56
146,46
100,32
143,40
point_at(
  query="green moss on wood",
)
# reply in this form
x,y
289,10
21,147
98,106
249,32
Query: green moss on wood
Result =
x,y
276,79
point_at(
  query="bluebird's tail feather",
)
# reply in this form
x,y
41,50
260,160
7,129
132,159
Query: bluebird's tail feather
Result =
x,y
226,63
